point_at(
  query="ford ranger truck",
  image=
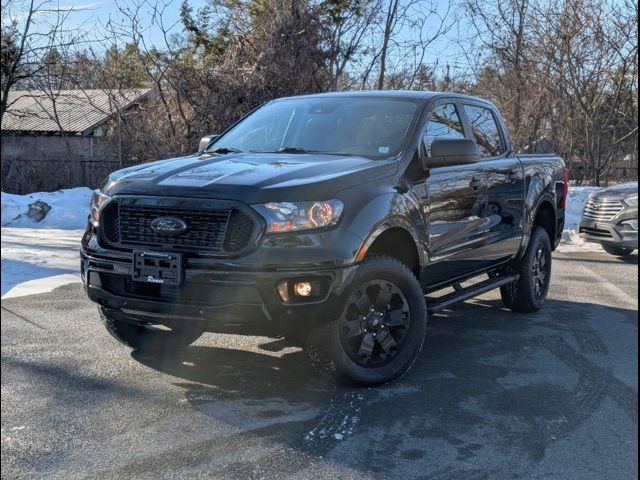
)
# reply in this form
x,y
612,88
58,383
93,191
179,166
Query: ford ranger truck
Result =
x,y
338,221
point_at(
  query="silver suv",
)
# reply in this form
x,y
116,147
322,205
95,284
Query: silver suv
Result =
x,y
611,219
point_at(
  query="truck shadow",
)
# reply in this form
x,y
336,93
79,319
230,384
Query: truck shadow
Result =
x,y
240,373
487,380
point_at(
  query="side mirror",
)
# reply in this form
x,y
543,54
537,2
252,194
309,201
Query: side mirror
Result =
x,y
206,140
451,151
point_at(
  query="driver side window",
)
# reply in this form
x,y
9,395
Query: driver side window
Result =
x,y
443,123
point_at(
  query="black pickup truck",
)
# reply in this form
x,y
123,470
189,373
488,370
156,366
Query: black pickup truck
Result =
x,y
338,221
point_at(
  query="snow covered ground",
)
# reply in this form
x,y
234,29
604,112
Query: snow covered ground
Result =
x,y
69,209
40,256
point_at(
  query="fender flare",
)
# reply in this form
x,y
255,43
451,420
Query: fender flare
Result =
x,y
389,223
536,195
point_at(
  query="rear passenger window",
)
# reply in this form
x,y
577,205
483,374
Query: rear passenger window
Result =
x,y
444,123
485,131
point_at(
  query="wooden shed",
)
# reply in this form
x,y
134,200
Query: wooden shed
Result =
x,y
62,139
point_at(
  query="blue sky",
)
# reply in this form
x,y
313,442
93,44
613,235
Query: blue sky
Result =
x,y
88,16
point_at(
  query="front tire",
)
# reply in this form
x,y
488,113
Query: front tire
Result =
x,y
380,333
616,250
145,337
529,293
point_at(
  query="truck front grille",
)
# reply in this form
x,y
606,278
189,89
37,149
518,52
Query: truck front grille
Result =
x,y
219,231
205,229
602,209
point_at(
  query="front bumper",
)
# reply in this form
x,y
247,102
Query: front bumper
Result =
x,y
616,232
226,298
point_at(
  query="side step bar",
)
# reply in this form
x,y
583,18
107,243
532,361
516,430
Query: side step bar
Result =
x,y
461,294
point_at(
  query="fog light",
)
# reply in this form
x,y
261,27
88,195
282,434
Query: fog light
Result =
x,y
303,289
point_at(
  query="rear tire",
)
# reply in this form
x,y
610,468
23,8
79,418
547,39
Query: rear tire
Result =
x,y
381,330
529,292
617,251
146,337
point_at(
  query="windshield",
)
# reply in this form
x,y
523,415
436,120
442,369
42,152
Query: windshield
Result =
x,y
367,127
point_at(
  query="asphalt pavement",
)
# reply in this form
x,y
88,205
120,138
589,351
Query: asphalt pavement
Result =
x,y
494,395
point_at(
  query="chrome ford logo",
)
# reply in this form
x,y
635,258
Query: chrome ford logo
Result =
x,y
169,226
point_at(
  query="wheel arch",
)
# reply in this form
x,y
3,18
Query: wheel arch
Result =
x,y
540,209
386,238
545,217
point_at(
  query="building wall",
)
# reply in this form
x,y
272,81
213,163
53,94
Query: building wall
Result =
x,y
46,163
46,147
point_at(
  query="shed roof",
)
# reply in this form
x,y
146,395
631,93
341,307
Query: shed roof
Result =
x,y
77,111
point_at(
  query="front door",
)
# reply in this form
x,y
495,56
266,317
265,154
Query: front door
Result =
x,y
454,203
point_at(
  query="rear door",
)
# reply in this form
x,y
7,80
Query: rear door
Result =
x,y
454,201
504,176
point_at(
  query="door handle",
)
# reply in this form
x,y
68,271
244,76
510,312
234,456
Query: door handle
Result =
x,y
475,183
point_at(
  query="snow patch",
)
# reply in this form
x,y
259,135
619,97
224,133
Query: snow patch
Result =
x,y
578,197
69,209
572,241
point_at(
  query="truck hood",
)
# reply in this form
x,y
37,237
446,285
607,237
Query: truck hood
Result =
x,y
249,177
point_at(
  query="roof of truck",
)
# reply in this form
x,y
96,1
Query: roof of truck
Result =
x,y
401,94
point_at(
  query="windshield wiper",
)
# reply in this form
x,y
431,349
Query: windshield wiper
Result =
x,y
296,150
223,150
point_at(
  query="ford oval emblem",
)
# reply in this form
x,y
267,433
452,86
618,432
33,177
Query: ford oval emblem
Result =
x,y
168,226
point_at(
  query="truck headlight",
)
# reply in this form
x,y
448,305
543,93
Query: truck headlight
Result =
x,y
631,201
98,199
298,216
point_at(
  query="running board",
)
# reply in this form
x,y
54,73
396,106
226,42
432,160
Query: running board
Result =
x,y
462,294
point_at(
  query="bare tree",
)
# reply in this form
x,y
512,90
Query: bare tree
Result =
x,y
505,31
30,30
407,31
590,52
200,87
348,26
16,51
562,71
392,18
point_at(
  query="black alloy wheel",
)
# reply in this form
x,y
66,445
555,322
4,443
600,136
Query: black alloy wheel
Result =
x,y
380,332
375,323
541,274
529,293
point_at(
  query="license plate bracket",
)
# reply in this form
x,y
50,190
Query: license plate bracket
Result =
x,y
157,267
